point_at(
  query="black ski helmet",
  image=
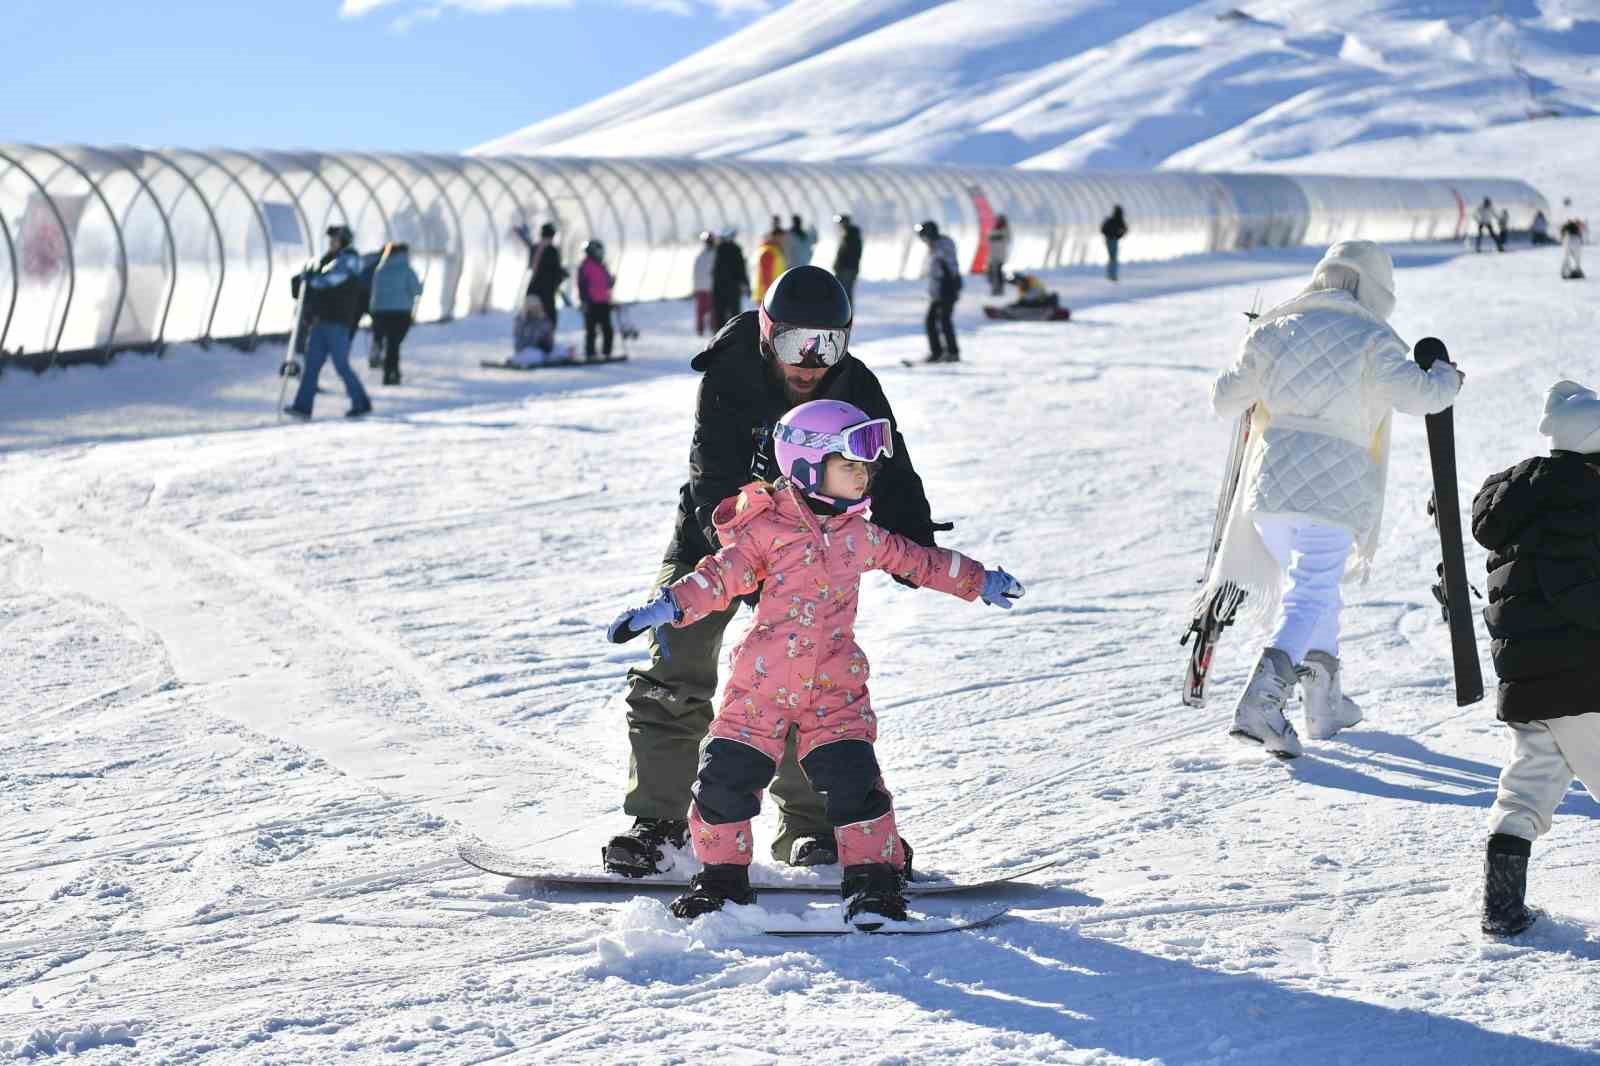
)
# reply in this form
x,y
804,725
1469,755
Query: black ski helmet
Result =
x,y
547,230
927,229
594,248
807,297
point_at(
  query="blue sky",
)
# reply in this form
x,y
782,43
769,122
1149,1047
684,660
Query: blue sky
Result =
x,y
434,75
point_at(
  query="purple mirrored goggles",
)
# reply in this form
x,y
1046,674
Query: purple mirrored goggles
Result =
x,y
807,346
863,442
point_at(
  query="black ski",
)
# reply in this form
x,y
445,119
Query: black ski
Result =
x,y
1447,517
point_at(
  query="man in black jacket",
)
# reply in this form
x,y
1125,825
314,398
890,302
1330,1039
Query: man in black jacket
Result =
x,y
544,267
748,386
1540,521
730,279
847,260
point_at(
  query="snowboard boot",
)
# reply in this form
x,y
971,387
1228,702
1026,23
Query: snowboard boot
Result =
x,y
1505,884
872,895
1258,719
719,883
639,852
814,851
1327,708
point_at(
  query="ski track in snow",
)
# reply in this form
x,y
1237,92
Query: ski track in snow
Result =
x,y
262,680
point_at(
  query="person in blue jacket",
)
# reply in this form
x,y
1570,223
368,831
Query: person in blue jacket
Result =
x,y
333,300
395,289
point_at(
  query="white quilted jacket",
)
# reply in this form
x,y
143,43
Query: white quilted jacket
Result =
x,y
1328,372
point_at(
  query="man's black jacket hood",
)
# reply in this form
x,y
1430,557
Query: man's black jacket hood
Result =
x,y
738,405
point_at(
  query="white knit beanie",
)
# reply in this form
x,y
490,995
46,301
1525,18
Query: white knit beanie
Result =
x,y
1571,418
1376,291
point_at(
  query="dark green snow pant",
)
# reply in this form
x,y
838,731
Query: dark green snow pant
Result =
x,y
669,711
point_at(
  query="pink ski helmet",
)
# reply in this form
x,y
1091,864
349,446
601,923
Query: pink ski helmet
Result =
x,y
805,437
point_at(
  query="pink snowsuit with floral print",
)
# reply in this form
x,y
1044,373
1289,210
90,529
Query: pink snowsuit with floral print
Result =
x,y
799,664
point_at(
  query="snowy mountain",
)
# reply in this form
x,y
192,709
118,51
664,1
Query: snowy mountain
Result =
x,y
1095,83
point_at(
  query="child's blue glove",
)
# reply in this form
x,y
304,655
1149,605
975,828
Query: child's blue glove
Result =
x,y
630,623
1000,588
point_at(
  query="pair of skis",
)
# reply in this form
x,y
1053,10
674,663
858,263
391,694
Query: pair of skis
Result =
x,y
1219,609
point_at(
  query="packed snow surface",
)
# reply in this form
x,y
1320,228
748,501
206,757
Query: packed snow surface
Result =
x,y
260,680
1211,84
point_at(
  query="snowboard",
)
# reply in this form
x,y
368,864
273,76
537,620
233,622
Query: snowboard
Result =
x,y
293,365
569,358
919,925
821,879
1446,505
1013,313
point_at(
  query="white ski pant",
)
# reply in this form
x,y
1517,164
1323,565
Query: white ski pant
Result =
x,y
1571,254
1545,758
1313,556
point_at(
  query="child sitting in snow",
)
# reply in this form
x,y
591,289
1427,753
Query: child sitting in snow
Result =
x,y
1540,521
804,543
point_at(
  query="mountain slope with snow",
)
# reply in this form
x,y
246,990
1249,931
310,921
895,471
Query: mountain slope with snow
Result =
x,y
1094,83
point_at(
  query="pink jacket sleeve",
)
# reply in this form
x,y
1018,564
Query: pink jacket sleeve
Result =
x,y
934,568
717,580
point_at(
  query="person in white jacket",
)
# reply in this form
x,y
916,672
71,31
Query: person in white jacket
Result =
x,y
1321,375
702,282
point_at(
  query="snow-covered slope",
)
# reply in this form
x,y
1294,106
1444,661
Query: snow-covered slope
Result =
x,y
1094,83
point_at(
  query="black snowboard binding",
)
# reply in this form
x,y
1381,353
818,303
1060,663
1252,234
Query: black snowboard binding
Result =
x,y
638,852
713,887
814,851
872,895
1505,885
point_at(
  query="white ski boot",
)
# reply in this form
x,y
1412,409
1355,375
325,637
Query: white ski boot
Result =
x,y
1327,708
1258,719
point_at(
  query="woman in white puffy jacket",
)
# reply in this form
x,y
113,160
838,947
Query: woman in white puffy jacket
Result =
x,y
1321,375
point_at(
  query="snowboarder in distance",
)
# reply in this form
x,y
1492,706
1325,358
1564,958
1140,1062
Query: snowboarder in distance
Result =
x,y
1572,249
847,260
1539,229
798,243
1538,521
594,298
703,264
1113,229
999,250
805,538
395,289
1486,218
769,261
758,367
730,279
1032,291
1323,372
332,303
544,267
942,268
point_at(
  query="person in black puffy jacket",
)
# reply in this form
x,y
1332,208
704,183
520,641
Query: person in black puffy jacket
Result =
x,y
1540,521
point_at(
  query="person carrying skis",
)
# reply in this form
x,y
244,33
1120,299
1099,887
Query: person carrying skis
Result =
x,y
754,374
333,301
1113,229
1571,249
1540,521
544,267
730,279
942,268
847,260
769,262
1486,219
702,282
594,297
395,289
1322,373
999,250
800,669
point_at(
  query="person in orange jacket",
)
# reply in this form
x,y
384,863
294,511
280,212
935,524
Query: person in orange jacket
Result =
x,y
769,262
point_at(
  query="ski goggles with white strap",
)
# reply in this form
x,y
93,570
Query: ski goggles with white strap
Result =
x,y
808,346
863,442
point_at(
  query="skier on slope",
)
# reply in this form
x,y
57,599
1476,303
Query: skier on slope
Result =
x,y
753,375
999,250
800,669
1486,219
847,260
333,301
1571,249
703,264
730,279
1323,372
1539,521
942,268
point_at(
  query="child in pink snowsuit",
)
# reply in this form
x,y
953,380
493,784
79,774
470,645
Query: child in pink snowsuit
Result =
x,y
804,543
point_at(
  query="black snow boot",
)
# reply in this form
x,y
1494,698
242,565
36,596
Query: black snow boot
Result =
x,y
638,852
872,895
718,884
1505,884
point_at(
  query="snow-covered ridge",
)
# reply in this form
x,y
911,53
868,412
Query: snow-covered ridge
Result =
x,y
1094,83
